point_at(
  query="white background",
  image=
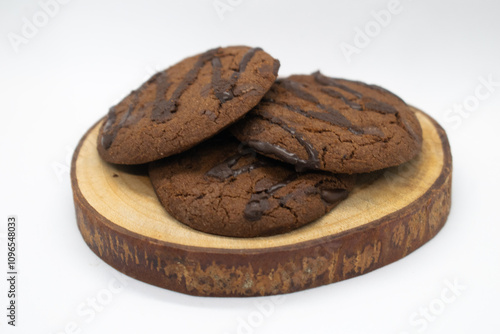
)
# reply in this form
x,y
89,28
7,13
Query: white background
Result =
x,y
90,54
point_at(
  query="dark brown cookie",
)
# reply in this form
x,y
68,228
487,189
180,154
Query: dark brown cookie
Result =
x,y
222,187
186,104
337,125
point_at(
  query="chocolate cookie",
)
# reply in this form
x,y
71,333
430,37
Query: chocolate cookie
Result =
x,y
186,104
337,125
222,187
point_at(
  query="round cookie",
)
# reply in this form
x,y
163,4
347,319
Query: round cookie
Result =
x,y
186,104
341,126
222,187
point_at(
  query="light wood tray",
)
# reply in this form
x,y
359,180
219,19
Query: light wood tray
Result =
x,y
122,221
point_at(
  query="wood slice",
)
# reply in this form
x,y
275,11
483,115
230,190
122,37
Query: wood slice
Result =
x,y
122,221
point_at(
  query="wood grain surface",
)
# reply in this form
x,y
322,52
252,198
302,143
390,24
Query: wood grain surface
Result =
x,y
382,221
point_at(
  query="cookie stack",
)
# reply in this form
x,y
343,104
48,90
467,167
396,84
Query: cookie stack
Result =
x,y
234,150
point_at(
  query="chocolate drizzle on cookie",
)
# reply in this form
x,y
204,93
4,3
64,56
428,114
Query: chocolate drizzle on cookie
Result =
x,y
259,202
225,170
326,81
109,132
338,95
163,111
110,129
330,115
368,104
162,85
331,124
312,161
333,196
187,103
224,187
223,89
380,107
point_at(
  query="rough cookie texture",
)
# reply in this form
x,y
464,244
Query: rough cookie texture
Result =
x,y
225,188
186,104
318,122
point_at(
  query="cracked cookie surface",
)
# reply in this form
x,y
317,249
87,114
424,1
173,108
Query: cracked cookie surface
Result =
x,y
223,187
321,123
186,104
